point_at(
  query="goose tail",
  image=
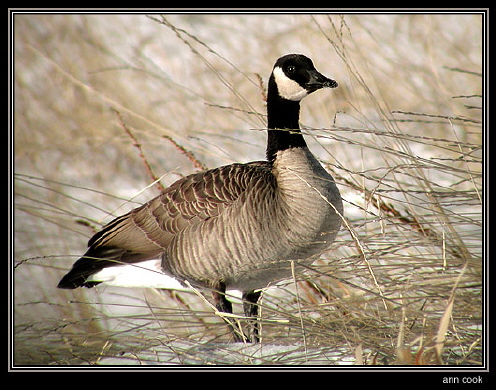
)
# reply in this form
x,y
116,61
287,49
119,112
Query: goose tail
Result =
x,y
93,261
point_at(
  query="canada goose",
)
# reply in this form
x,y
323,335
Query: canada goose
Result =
x,y
238,226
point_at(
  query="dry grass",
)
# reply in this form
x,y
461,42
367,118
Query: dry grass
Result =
x,y
106,105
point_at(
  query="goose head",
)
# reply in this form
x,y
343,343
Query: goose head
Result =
x,y
295,77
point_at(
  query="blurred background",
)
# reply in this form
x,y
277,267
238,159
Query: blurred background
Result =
x,y
106,104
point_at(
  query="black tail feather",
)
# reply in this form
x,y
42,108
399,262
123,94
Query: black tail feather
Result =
x,y
90,263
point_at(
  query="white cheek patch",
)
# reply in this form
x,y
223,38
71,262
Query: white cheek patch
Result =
x,y
287,88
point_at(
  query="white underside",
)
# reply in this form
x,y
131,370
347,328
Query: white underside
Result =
x,y
146,274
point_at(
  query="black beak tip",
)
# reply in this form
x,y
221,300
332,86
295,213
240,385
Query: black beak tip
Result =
x,y
330,84
320,82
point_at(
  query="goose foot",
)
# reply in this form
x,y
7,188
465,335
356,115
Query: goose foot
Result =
x,y
250,307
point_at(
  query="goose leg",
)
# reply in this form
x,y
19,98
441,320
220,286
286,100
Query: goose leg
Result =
x,y
250,307
225,306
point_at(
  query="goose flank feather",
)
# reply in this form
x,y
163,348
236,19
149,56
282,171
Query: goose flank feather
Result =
x,y
238,226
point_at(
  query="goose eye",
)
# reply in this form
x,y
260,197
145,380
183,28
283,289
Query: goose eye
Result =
x,y
291,69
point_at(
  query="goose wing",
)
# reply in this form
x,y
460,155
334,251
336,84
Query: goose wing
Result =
x,y
145,232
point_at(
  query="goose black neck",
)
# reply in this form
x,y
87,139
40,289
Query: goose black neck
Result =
x,y
283,124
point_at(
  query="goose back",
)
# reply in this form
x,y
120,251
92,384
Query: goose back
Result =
x,y
147,231
290,212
